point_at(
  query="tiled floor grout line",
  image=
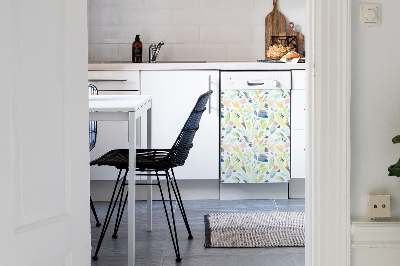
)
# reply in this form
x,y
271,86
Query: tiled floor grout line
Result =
x,y
276,205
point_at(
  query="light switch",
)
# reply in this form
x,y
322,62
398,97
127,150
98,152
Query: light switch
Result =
x,y
369,14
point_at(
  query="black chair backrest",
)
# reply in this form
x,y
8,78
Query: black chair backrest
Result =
x,y
180,150
92,124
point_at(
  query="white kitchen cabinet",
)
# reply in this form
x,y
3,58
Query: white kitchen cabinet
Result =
x,y
298,79
298,109
174,96
298,150
298,125
112,134
115,80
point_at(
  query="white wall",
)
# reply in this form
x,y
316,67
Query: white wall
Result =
x,y
193,30
375,108
375,120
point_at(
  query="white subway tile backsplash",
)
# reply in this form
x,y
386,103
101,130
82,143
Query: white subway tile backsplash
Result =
x,y
145,17
232,35
199,52
88,16
294,10
266,5
246,17
239,4
115,34
192,30
199,16
173,34
214,3
258,35
224,34
119,3
89,52
226,3
104,52
105,16
125,52
250,52
172,3
300,28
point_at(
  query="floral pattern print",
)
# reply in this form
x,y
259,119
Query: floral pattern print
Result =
x,y
255,136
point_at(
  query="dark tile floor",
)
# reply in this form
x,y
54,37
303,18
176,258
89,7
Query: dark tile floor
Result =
x,y
155,248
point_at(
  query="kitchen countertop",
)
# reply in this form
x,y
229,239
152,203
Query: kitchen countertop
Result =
x,y
195,66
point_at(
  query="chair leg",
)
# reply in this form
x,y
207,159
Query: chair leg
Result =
x,y
174,239
109,213
180,203
94,213
120,211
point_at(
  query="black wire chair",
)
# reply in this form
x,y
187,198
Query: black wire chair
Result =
x,y
149,161
92,143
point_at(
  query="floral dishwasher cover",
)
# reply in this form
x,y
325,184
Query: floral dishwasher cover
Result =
x,y
255,136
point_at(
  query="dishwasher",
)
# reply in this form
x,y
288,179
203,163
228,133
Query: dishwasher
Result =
x,y
255,126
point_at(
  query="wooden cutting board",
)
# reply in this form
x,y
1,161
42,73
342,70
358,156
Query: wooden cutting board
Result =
x,y
275,23
292,32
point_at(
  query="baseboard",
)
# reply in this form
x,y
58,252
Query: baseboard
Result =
x,y
101,190
375,242
297,188
254,191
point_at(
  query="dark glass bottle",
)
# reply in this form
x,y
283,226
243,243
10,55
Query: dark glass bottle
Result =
x,y
137,50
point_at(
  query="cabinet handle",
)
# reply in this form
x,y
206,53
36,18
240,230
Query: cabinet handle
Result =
x,y
209,99
254,83
99,80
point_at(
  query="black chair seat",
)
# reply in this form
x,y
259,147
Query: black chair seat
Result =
x,y
154,160
146,159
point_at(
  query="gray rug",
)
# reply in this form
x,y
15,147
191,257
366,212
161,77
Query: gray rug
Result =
x,y
271,229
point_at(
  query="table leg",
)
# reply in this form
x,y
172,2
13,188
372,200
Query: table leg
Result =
x,y
132,190
149,178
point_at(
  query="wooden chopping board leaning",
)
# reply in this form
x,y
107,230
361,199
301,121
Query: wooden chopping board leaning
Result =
x,y
299,36
275,23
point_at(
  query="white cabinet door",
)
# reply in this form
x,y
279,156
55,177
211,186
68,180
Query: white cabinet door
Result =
x,y
298,156
298,109
44,174
298,118
298,79
174,96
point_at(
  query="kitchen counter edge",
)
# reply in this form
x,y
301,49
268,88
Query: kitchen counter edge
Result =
x,y
195,66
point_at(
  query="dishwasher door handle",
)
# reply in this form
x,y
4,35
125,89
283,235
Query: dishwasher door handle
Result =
x,y
254,83
106,80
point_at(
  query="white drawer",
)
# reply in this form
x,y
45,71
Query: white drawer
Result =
x,y
298,109
298,79
115,80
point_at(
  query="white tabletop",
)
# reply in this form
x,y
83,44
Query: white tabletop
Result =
x,y
127,108
115,103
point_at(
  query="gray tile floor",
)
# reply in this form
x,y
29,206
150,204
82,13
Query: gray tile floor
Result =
x,y
155,248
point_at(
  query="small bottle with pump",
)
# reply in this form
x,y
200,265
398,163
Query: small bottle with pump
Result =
x,y
137,50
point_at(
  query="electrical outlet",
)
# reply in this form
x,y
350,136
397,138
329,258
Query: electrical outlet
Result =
x,y
378,206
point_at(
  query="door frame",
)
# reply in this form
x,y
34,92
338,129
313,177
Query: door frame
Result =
x,y
328,221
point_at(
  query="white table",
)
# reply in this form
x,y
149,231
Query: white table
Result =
x,y
127,108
